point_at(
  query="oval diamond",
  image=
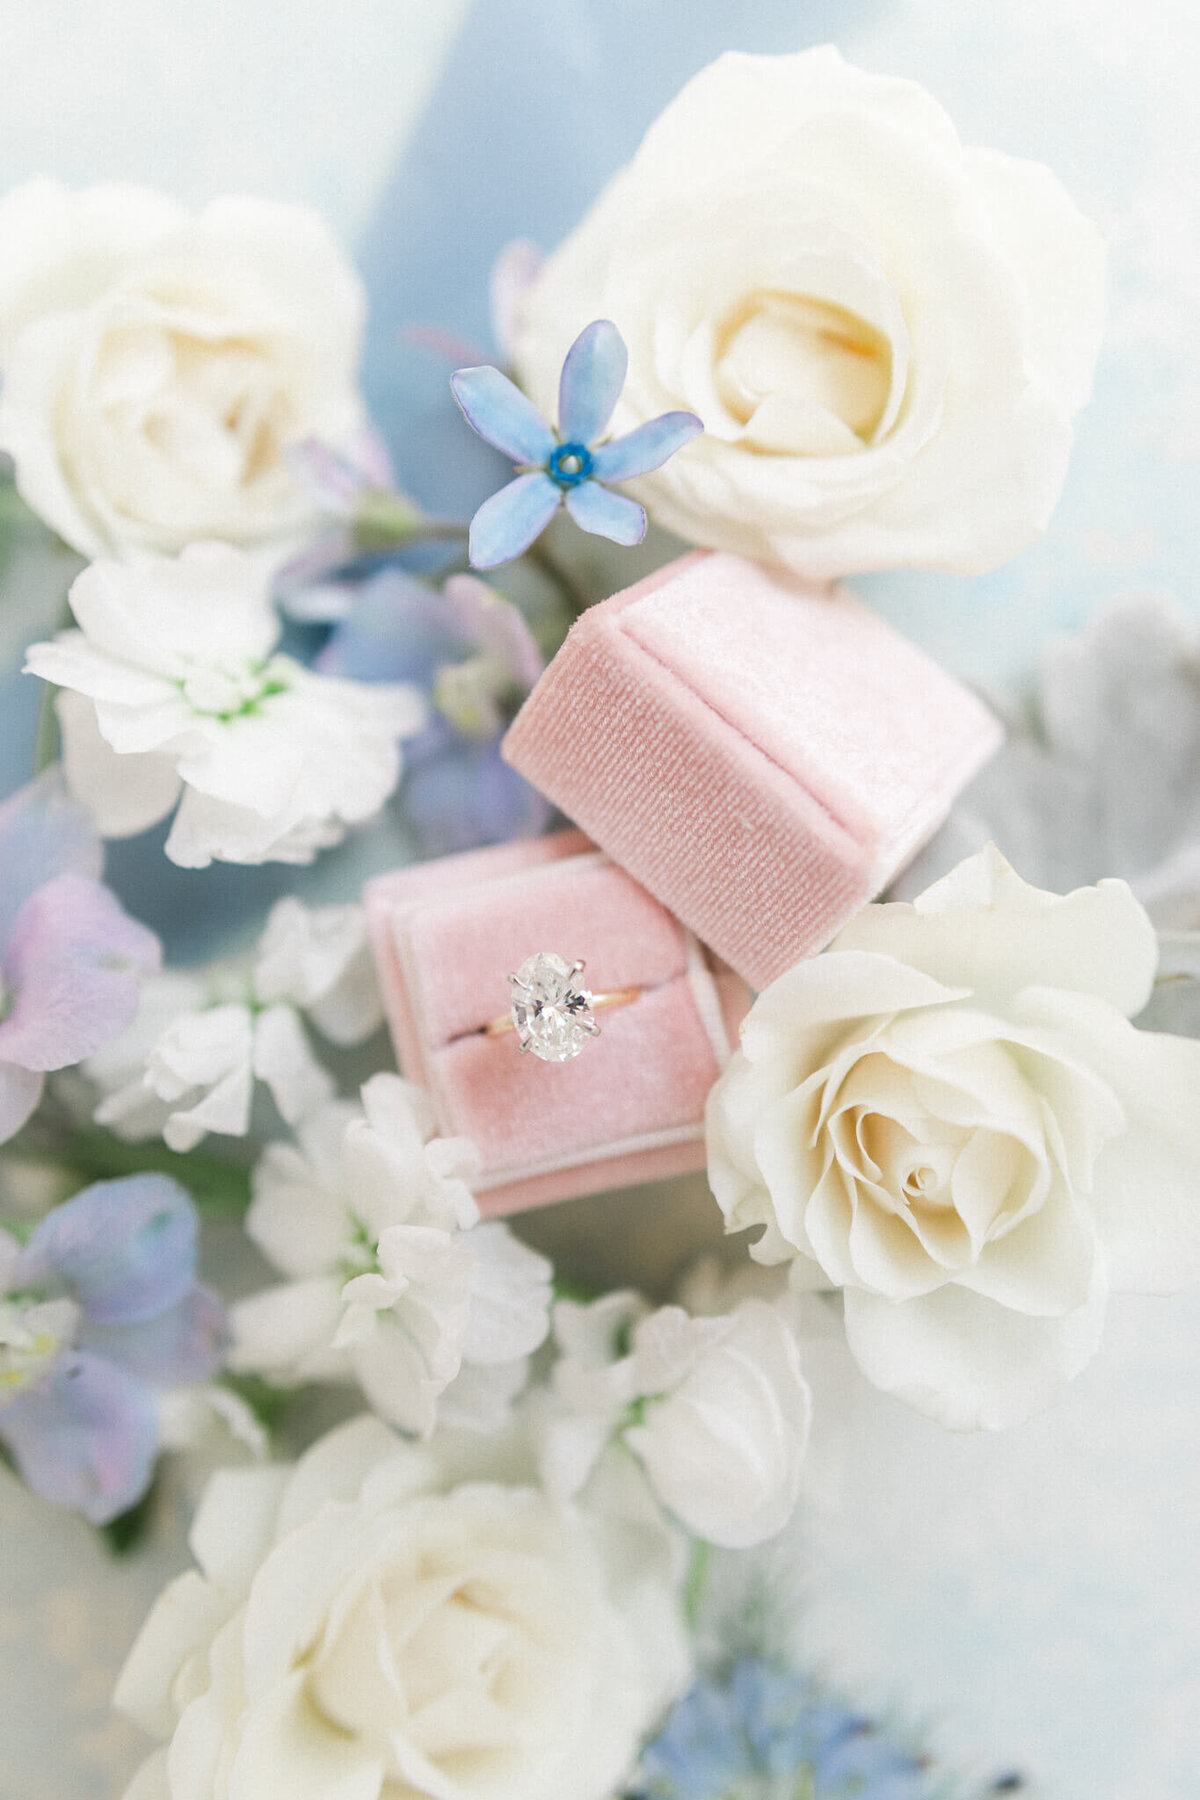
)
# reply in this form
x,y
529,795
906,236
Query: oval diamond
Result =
x,y
551,1008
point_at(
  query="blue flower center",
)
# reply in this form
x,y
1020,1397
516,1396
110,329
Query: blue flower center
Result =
x,y
569,465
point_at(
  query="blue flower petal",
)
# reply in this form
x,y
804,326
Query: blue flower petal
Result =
x,y
126,1250
398,629
508,522
183,1344
645,448
86,1438
501,414
591,382
43,833
468,796
609,515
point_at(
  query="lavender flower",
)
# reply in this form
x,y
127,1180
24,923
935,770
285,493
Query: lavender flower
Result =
x,y
70,957
99,1309
767,1734
565,467
470,651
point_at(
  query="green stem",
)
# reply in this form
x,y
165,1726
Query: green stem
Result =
x,y
47,739
576,596
697,1577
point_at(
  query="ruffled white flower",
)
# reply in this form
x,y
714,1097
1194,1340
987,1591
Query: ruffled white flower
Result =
x,y
716,1409
394,1283
386,1619
886,334
175,693
949,1116
157,365
202,1039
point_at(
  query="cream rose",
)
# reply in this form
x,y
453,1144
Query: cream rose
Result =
x,y
156,365
949,1116
885,334
387,1622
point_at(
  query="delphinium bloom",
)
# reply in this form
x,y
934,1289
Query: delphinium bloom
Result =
x,y
70,958
567,467
175,692
471,653
98,1311
768,1734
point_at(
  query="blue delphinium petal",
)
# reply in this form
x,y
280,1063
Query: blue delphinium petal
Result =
x,y
181,1345
125,1250
591,382
468,796
501,414
508,523
43,833
646,447
398,629
596,509
767,1730
86,1438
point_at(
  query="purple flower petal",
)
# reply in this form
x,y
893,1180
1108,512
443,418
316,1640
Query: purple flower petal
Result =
x,y
20,1091
645,448
502,415
466,797
86,1438
398,629
609,515
72,961
591,382
42,834
125,1249
183,1344
507,524
487,621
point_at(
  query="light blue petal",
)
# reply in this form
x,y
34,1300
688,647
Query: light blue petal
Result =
x,y
609,515
501,414
183,1344
508,522
126,1250
86,1438
43,833
468,796
591,382
646,447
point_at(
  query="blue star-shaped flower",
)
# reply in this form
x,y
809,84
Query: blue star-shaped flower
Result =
x,y
567,466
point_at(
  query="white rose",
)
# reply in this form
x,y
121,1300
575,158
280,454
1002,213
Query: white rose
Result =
x,y
885,334
949,1116
383,1622
157,365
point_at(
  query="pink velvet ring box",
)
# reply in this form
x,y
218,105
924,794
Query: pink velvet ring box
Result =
x,y
762,754
630,1106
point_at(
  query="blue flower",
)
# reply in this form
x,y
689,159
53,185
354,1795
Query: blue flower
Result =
x,y
471,652
98,1309
566,467
768,1734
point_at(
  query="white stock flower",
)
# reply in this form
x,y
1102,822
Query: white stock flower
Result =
x,y
384,1620
716,1410
157,365
202,1038
393,1281
949,1116
175,692
886,335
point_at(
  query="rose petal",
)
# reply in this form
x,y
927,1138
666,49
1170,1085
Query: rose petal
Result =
x,y
965,1361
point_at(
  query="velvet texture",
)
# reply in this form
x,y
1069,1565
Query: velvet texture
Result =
x,y
631,1106
762,754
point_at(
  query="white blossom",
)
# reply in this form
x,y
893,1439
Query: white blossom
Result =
x,y
203,1039
716,1409
393,1282
174,692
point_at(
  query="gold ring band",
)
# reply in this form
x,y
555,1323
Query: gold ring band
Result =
x,y
612,997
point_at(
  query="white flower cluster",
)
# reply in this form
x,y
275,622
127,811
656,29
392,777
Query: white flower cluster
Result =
x,y
202,1038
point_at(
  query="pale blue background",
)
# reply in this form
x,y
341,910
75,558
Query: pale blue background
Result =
x,y
1034,1599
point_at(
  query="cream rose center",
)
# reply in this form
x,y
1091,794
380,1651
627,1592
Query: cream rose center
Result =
x,y
801,375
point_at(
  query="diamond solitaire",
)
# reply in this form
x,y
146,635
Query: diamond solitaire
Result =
x,y
551,1008
552,1012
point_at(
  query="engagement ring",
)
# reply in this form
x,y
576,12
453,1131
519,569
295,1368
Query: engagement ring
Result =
x,y
552,1012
